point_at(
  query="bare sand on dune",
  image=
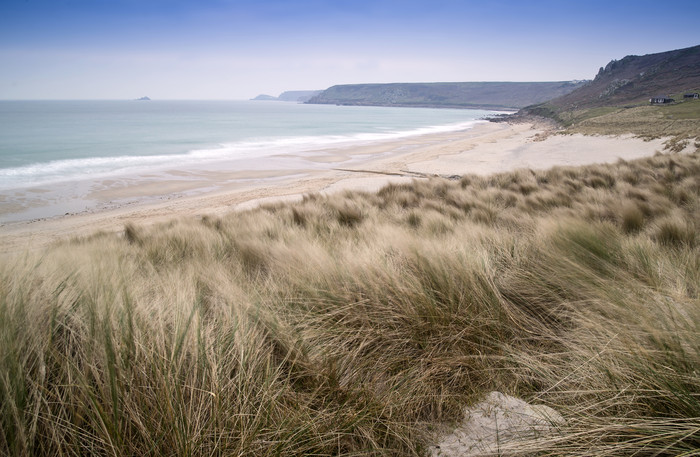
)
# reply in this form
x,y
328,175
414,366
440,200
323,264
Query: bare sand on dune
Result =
x,y
486,148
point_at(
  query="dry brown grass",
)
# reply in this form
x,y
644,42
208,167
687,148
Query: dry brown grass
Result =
x,y
351,324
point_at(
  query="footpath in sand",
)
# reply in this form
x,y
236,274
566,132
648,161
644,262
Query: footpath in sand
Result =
x,y
487,148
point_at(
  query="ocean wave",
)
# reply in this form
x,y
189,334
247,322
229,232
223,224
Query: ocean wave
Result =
x,y
68,170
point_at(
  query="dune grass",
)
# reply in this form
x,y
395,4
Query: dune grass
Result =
x,y
353,324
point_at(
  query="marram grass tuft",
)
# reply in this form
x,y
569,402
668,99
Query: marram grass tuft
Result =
x,y
355,324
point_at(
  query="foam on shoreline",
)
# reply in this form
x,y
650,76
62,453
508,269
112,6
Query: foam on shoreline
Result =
x,y
225,154
486,148
77,185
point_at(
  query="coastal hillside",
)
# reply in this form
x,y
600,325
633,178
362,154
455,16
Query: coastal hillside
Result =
x,y
635,79
299,96
617,101
488,95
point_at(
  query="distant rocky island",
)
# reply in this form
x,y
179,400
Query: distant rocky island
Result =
x,y
142,99
298,96
264,97
485,95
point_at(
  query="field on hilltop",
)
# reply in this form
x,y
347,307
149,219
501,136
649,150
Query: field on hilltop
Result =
x,y
354,324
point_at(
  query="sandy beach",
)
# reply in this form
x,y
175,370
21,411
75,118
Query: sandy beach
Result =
x,y
487,148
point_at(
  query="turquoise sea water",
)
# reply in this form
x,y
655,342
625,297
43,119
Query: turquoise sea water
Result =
x,y
44,142
57,156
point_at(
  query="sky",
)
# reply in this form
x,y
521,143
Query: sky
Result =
x,y
237,49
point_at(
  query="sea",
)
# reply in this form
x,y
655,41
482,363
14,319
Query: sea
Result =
x,y
50,145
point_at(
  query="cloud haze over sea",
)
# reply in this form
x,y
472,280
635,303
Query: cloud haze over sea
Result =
x,y
230,49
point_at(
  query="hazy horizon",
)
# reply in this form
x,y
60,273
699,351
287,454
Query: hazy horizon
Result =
x,y
235,50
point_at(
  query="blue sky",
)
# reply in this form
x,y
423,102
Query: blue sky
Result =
x,y
235,49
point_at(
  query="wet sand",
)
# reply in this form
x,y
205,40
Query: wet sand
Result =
x,y
487,148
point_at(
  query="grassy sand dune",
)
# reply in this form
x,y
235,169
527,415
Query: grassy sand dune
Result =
x,y
678,122
352,324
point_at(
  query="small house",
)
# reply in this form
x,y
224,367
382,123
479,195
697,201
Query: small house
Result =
x,y
691,95
660,100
